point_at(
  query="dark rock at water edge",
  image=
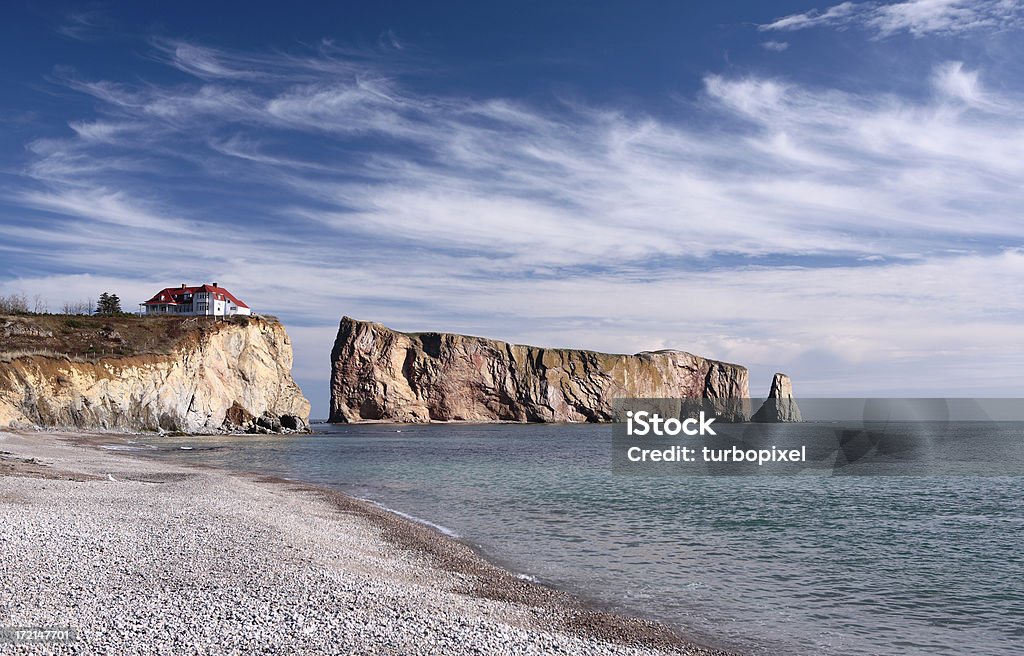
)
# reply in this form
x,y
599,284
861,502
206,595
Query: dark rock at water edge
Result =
x,y
780,406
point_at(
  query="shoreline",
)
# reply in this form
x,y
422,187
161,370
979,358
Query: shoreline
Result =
x,y
412,560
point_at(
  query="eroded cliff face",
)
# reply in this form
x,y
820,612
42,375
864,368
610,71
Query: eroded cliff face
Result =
x,y
230,375
382,374
780,406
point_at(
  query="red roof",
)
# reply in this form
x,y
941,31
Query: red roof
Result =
x,y
173,295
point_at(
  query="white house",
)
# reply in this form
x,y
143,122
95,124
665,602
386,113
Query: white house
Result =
x,y
205,300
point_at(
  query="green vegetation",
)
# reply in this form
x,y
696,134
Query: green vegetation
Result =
x,y
109,305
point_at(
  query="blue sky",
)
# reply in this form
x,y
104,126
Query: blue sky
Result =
x,y
831,190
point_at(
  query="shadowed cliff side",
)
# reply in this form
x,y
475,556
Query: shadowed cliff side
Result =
x,y
382,374
168,373
780,406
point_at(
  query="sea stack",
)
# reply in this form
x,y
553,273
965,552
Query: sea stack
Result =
x,y
780,406
385,375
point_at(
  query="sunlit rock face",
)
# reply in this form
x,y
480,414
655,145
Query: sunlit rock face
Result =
x,y
382,374
218,376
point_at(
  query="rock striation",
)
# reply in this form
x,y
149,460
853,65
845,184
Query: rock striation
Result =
x,y
382,374
780,406
216,376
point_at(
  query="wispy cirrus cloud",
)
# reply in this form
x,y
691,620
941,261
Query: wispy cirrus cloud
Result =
x,y
768,223
916,17
83,25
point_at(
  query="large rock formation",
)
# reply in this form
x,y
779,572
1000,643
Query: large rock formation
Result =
x,y
780,406
214,376
382,374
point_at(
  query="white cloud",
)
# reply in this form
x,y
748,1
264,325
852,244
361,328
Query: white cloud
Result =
x,y
775,46
778,222
98,130
920,17
955,82
104,206
388,39
83,25
916,17
832,15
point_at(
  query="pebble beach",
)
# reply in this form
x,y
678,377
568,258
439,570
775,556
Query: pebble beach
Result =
x,y
142,557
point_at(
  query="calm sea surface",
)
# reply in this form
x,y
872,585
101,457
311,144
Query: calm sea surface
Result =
x,y
764,565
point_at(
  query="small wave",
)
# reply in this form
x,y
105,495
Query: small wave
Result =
x,y
527,577
413,518
124,447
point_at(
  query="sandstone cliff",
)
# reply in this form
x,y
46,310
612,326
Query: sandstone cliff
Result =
x,y
780,406
172,374
381,374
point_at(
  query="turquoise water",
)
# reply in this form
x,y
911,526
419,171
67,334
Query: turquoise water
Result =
x,y
763,565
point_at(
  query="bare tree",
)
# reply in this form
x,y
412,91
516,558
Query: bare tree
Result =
x,y
39,305
78,307
14,304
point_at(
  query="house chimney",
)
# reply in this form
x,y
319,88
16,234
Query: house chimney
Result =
x,y
183,285
214,284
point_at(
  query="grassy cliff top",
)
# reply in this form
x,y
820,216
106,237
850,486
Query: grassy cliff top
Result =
x,y
93,337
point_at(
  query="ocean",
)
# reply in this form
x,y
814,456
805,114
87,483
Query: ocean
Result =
x,y
851,565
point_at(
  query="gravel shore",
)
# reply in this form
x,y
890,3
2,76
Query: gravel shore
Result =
x,y
143,557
